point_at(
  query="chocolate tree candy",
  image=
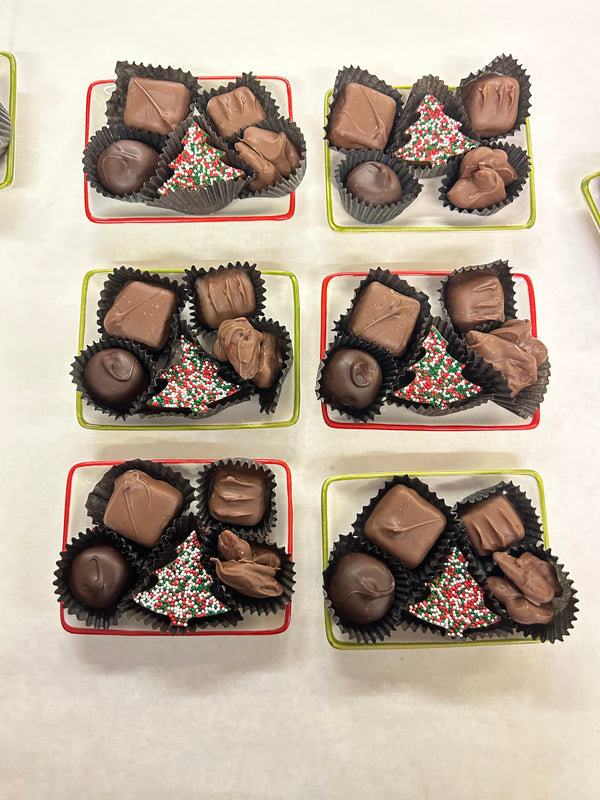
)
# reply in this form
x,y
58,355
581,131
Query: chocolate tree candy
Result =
x,y
473,297
534,577
99,576
488,158
361,588
222,295
115,378
482,189
361,118
492,524
235,110
239,495
375,183
405,525
249,578
270,154
491,103
142,311
254,355
126,165
351,378
141,507
518,607
155,105
384,317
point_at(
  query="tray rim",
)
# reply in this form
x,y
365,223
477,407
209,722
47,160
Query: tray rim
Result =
x,y
12,113
210,632
585,188
339,644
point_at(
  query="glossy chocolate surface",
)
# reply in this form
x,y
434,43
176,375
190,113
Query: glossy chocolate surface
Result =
x,y
361,118
115,378
270,154
518,331
239,495
235,110
375,183
351,378
155,105
126,165
534,577
99,576
254,355
518,607
361,588
225,294
234,548
488,158
141,507
482,189
491,103
472,298
492,524
384,317
266,173
142,312
405,525
249,578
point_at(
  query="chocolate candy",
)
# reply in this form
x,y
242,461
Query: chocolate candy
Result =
x,y
361,118
375,183
225,294
491,103
235,110
142,311
492,524
384,317
155,105
249,578
126,165
232,548
473,297
405,525
271,155
141,507
239,495
115,378
351,378
534,577
488,158
254,355
361,588
483,189
518,607
99,576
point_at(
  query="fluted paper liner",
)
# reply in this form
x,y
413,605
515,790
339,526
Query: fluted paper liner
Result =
x,y
370,213
528,400
5,129
258,89
268,398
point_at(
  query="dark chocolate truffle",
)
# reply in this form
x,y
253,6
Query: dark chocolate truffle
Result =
x,y
141,507
99,576
488,158
375,183
155,105
225,294
385,317
405,525
254,355
491,103
249,578
115,378
271,155
235,110
483,189
492,524
126,165
361,588
142,312
473,297
351,378
239,494
361,118
534,577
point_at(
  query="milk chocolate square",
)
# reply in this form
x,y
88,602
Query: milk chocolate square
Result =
x,y
492,524
405,525
361,118
155,105
473,297
235,110
141,507
384,317
492,103
142,311
222,295
239,495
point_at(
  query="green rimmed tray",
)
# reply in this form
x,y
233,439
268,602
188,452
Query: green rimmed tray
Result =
x,y
8,97
342,497
282,304
589,196
519,215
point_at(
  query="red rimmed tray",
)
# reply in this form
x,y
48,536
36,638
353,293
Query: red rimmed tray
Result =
x,y
83,477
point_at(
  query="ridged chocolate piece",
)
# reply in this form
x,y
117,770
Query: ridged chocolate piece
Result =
x,y
479,190
270,154
534,577
235,110
142,312
518,607
249,577
253,354
492,103
385,317
155,105
99,576
239,495
488,158
361,588
492,524
225,294
473,297
361,117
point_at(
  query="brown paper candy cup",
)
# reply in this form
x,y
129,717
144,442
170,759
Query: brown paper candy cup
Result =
x,y
517,158
369,213
529,399
5,129
258,89
103,618
204,488
268,398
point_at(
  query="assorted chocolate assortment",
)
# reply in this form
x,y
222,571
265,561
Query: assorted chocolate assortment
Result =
x,y
171,143
478,570
388,348
434,131
192,346
156,555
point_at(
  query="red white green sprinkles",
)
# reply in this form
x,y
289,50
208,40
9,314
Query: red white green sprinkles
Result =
x,y
183,588
435,136
455,600
438,377
193,382
198,165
